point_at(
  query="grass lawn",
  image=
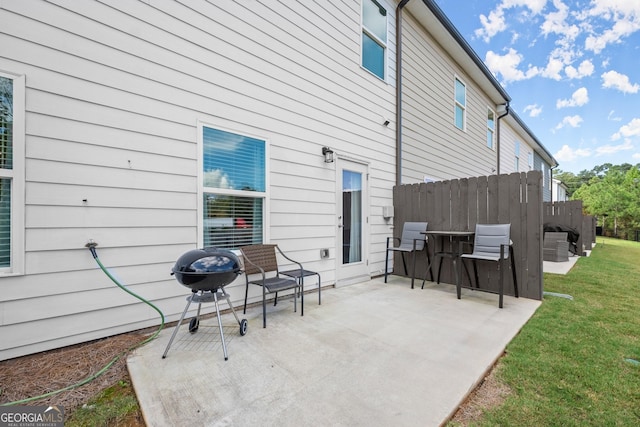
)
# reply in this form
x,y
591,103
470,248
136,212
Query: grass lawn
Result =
x,y
575,363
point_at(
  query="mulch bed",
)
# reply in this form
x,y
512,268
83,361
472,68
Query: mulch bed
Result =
x,y
41,373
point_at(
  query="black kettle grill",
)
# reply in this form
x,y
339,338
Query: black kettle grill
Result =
x,y
206,272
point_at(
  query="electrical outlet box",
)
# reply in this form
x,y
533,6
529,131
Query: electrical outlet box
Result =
x,y
324,253
387,211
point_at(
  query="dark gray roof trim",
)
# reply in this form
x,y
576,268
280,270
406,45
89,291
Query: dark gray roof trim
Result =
x,y
439,14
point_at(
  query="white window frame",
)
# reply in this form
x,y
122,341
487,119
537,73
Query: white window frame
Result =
x,y
530,160
239,193
456,104
517,156
17,176
372,35
491,130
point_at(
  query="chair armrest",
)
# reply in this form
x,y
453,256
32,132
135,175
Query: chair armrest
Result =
x,y
290,260
394,239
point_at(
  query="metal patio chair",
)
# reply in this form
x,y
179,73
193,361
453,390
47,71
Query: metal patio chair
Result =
x,y
413,240
261,261
492,242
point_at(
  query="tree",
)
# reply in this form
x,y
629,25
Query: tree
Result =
x,y
613,192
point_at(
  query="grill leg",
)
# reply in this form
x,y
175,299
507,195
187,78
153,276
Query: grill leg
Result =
x,y
224,345
226,297
175,331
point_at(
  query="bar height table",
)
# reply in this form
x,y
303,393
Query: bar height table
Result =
x,y
454,237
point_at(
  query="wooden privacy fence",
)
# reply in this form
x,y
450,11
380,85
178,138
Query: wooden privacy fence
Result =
x,y
570,214
460,204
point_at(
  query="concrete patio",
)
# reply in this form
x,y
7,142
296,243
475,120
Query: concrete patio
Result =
x,y
373,354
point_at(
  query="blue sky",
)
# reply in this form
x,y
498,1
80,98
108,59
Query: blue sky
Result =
x,y
571,67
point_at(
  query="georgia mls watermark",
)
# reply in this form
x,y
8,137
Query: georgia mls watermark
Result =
x,y
31,416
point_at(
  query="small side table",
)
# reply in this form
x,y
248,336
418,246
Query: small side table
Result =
x,y
299,275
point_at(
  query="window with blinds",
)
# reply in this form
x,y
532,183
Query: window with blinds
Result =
x,y
6,166
234,189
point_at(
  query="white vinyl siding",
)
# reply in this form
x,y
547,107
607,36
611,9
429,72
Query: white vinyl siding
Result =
x,y
432,145
115,91
515,144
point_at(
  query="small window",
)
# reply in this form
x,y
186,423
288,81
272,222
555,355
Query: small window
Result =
x,y
460,104
233,182
374,37
491,128
11,174
530,161
517,157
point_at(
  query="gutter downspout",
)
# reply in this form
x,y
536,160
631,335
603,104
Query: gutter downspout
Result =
x,y
399,8
498,138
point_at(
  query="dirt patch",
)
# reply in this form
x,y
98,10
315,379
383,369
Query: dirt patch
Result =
x,y
489,393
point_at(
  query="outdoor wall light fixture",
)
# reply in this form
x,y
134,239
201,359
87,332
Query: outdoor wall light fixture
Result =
x,y
328,154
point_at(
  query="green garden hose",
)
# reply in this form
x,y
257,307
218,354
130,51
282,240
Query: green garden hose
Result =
x,y
92,247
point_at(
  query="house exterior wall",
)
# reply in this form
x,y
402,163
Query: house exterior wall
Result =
x,y
432,145
510,138
115,92
540,165
559,193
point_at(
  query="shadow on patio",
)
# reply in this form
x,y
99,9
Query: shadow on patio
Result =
x,y
371,354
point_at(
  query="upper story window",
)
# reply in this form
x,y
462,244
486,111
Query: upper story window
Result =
x,y
374,37
11,174
491,128
530,161
517,157
233,188
460,104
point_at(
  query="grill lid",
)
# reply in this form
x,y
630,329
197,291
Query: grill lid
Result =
x,y
207,268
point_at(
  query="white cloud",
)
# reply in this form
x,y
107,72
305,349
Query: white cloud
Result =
x,y
612,149
568,154
615,80
507,66
533,109
556,22
579,98
585,69
553,68
572,121
612,117
625,15
491,25
496,22
627,131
